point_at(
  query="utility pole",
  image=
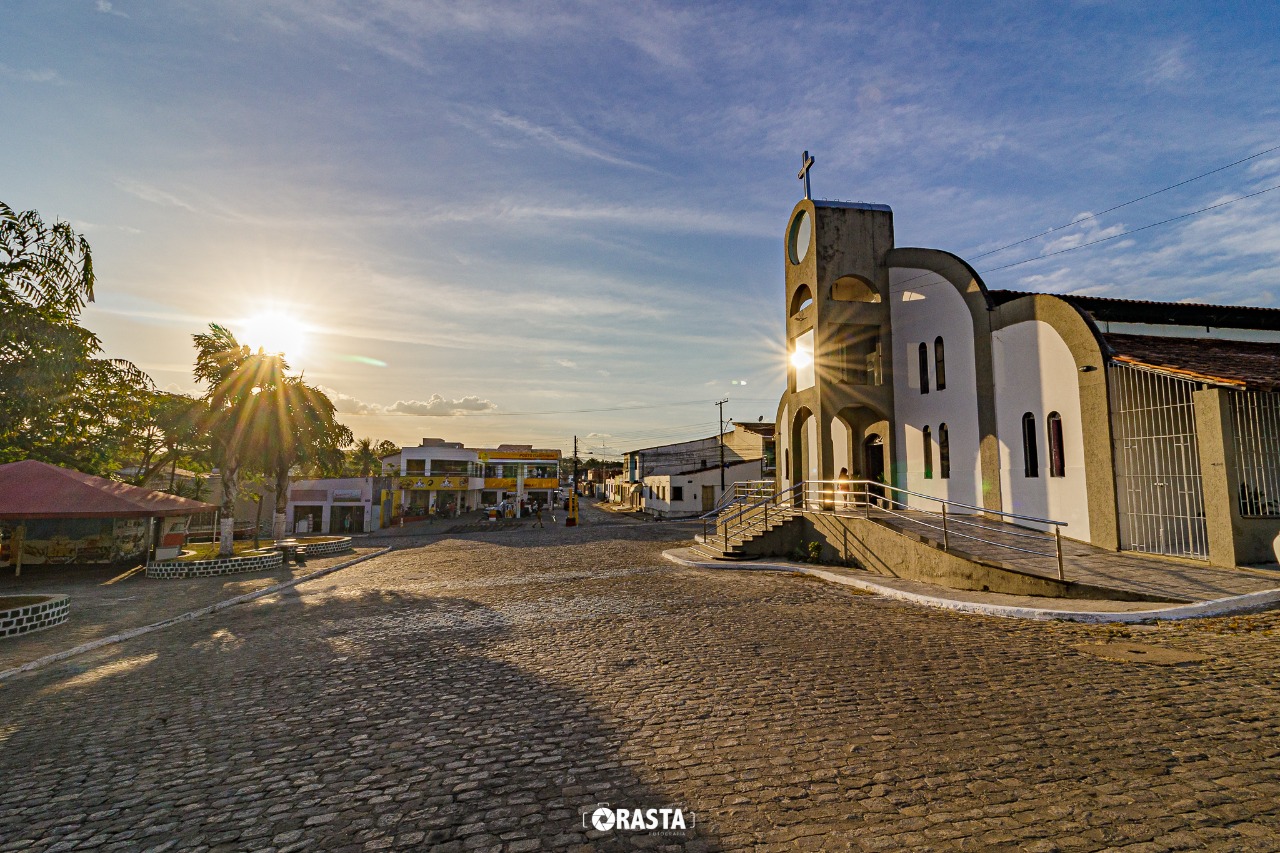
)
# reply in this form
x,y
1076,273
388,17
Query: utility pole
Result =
x,y
721,405
575,464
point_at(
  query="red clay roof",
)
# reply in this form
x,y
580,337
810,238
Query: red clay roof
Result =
x,y
1248,365
31,489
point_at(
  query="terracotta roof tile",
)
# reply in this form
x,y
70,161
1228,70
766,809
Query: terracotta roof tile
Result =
x,y
1249,365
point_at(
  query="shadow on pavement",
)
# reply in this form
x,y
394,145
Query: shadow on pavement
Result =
x,y
320,721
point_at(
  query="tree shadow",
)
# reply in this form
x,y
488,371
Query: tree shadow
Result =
x,y
327,721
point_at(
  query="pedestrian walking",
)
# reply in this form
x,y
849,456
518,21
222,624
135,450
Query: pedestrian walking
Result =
x,y
537,511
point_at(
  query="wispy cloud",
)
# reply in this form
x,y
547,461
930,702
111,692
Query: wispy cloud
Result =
x,y
108,8
27,75
560,140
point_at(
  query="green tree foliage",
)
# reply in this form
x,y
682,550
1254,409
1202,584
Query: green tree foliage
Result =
x,y
59,402
365,458
261,419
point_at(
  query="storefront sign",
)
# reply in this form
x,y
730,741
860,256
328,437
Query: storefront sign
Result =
x,y
453,482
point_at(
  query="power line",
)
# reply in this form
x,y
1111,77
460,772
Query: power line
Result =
x,y
1126,204
1133,230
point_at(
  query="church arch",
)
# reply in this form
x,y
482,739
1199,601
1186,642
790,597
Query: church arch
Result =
x,y
800,300
854,288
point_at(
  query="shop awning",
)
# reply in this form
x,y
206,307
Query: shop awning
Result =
x,y
31,489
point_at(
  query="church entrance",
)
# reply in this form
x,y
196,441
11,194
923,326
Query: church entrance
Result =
x,y
873,462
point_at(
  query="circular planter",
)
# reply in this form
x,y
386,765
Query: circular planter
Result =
x,y
208,568
22,614
326,547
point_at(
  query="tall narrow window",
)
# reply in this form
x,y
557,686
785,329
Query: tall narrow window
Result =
x,y
928,452
1030,452
939,364
924,368
944,451
1057,462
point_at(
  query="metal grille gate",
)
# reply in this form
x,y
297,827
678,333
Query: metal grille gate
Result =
x,y
1158,488
1255,420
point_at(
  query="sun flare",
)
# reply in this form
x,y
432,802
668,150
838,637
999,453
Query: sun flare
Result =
x,y
274,332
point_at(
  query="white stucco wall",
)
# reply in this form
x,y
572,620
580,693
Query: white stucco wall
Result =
x,y
923,306
1034,372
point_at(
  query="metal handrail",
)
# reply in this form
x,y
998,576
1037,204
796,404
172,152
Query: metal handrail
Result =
x,y
946,501
723,523
867,496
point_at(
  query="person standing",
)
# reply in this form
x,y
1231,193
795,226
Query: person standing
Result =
x,y
537,511
842,489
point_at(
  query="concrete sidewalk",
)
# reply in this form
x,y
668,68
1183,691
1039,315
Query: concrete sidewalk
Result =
x,y
998,604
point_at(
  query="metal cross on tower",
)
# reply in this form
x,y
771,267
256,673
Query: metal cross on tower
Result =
x,y
805,163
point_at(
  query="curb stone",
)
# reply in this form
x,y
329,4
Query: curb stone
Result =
x,y
1235,604
185,617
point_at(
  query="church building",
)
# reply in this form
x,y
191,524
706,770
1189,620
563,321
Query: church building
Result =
x,y
1144,426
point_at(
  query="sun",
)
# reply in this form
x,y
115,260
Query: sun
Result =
x,y
274,332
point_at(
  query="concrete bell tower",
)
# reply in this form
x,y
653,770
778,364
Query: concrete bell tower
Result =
x,y
838,407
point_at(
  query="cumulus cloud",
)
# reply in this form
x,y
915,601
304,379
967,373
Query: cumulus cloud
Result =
x,y
434,406
107,9
437,406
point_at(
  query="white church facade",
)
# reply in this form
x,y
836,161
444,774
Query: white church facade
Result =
x,y
1144,426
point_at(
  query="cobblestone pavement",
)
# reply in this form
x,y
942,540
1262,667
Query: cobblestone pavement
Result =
x,y
105,602
476,693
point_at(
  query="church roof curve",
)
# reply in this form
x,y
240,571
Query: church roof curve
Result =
x,y
1109,309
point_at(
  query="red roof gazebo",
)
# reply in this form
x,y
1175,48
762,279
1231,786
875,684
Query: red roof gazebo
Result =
x,y
31,489
45,494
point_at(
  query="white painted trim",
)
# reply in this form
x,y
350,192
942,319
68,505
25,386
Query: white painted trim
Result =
x,y
1218,607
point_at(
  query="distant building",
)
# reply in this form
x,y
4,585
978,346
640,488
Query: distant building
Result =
x,y
340,505
1146,426
684,478
440,475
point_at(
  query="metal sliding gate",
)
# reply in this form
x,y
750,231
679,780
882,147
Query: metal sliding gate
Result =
x,y
1255,420
1158,487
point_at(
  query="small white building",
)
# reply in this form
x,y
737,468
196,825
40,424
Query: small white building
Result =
x,y
685,478
339,506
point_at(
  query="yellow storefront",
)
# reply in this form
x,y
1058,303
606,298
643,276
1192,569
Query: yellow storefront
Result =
x,y
519,474
422,495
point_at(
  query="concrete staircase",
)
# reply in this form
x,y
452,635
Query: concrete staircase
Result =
x,y
735,530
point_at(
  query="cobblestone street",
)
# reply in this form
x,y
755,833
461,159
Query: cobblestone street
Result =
x,y
479,691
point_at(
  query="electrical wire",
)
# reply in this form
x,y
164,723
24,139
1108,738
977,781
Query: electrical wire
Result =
x,y
1125,204
1133,230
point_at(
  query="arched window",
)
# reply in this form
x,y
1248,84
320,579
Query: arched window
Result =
x,y
801,300
924,368
1030,452
928,452
939,364
944,451
1057,461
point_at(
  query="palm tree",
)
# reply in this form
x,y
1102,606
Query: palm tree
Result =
x,y
235,377
364,457
295,425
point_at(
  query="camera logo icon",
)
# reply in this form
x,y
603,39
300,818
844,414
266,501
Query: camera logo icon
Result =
x,y
602,819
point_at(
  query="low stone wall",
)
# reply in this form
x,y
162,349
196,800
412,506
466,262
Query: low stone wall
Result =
x,y
44,611
208,568
324,549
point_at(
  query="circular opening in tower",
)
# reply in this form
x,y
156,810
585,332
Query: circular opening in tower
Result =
x,y
799,236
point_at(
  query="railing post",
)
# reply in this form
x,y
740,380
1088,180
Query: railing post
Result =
x,y
866,501
766,515
726,537
1057,541
945,543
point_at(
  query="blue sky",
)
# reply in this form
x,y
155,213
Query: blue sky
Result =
x,y
484,209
